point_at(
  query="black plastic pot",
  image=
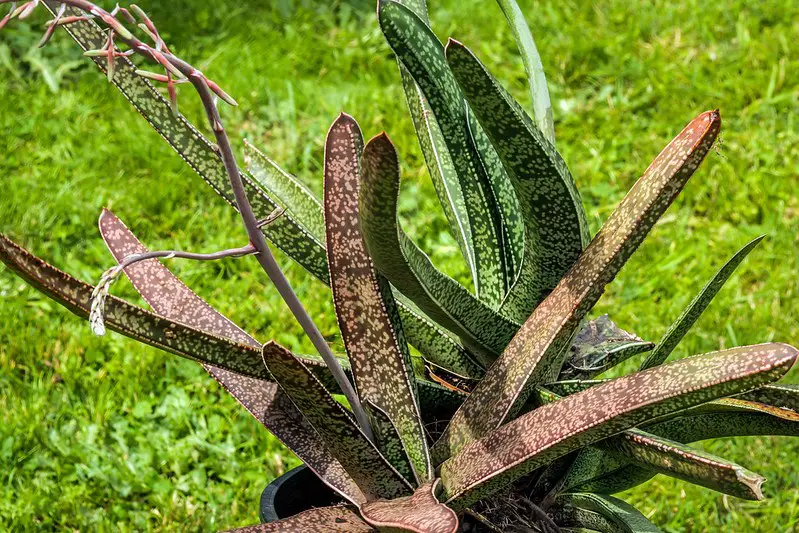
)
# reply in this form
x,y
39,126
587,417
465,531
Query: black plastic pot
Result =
x,y
294,492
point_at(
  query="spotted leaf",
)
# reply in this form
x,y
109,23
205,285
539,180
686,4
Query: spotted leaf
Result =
x,y
367,314
168,296
360,458
419,513
554,220
420,52
554,430
601,513
335,519
695,309
537,352
409,268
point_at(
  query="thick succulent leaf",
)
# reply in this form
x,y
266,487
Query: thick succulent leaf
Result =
x,y
292,194
504,195
537,352
335,519
419,513
345,440
542,107
555,225
695,309
519,447
130,320
719,419
288,233
599,346
678,460
421,53
168,296
409,268
660,455
365,309
784,396
601,513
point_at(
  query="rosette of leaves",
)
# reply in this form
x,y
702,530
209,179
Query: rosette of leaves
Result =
x,y
497,421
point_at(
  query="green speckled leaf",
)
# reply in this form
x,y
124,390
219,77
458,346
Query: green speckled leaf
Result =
x,y
420,52
554,430
288,233
537,352
718,419
678,460
783,396
599,346
409,268
168,296
345,440
695,309
336,519
367,314
542,107
554,220
419,513
287,189
601,513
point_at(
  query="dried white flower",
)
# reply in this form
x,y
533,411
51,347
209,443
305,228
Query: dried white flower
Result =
x,y
99,296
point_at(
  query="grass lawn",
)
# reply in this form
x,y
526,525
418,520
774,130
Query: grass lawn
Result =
x,y
105,434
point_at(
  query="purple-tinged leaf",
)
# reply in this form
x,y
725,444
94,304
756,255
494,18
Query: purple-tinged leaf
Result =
x,y
536,354
130,320
170,297
695,309
367,314
336,519
419,513
360,458
599,346
556,429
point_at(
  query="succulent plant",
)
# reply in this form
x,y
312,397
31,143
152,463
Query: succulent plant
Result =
x,y
499,421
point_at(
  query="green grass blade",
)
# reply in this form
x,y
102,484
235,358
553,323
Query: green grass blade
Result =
x,y
539,90
420,512
521,446
367,314
421,53
599,346
537,352
601,513
409,268
695,309
168,296
292,194
335,519
289,234
336,426
554,219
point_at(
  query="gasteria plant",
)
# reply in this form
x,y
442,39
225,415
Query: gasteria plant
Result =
x,y
498,423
